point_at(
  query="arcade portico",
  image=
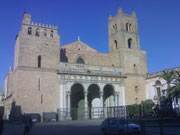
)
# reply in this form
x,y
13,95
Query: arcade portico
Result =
x,y
86,86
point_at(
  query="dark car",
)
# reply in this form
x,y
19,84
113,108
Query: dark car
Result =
x,y
50,117
119,127
35,117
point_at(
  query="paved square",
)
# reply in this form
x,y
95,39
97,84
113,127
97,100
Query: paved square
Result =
x,y
88,127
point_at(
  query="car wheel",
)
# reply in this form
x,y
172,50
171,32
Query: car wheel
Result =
x,y
104,132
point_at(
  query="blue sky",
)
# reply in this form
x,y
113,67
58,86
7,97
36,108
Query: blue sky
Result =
x,y
158,23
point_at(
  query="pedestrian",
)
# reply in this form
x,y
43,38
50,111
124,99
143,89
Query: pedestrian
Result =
x,y
27,125
1,125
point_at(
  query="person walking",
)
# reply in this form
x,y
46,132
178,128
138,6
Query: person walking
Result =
x,y
1,125
27,125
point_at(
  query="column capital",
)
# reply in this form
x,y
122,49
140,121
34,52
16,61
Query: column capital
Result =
x,y
101,86
116,93
85,93
68,93
85,85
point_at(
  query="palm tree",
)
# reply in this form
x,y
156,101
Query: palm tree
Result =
x,y
172,78
168,77
174,91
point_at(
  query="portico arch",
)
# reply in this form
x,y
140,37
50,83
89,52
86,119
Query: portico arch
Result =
x,y
109,94
93,99
77,101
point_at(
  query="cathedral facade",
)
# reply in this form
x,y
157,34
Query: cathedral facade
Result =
x,y
48,77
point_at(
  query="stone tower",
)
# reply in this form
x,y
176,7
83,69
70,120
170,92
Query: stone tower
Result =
x,y
124,49
123,32
37,45
37,56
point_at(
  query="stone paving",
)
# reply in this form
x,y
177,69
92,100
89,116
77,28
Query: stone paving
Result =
x,y
88,127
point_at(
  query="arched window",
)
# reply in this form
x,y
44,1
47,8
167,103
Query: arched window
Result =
x,y
37,32
39,61
158,88
29,30
127,27
130,41
158,83
51,33
130,27
115,44
115,26
80,61
45,32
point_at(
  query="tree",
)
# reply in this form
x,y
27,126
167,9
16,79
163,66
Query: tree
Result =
x,y
174,91
171,78
147,106
168,77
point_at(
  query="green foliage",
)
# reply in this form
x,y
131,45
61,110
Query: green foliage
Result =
x,y
133,110
174,91
148,106
88,71
168,76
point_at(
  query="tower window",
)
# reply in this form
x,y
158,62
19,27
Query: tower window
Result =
x,y
130,27
115,26
39,61
37,32
51,33
29,30
39,84
41,99
115,43
130,43
127,27
80,61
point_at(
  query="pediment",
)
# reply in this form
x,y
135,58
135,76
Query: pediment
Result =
x,y
79,46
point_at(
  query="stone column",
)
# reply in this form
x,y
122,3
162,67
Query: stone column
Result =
x,y
101,99
68,105
101,105
85,105
101,110
116,99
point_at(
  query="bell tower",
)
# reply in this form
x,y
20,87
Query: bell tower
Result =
x,y
123,32
124,50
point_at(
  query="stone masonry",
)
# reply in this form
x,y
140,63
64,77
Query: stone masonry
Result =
x,y
38,80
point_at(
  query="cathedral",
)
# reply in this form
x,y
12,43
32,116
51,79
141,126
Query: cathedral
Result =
x,y
75,78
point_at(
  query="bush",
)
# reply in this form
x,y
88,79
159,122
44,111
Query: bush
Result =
x,y
146,109
147,106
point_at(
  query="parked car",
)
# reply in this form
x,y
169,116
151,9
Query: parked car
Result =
x,y
50,117
35,117
119,127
